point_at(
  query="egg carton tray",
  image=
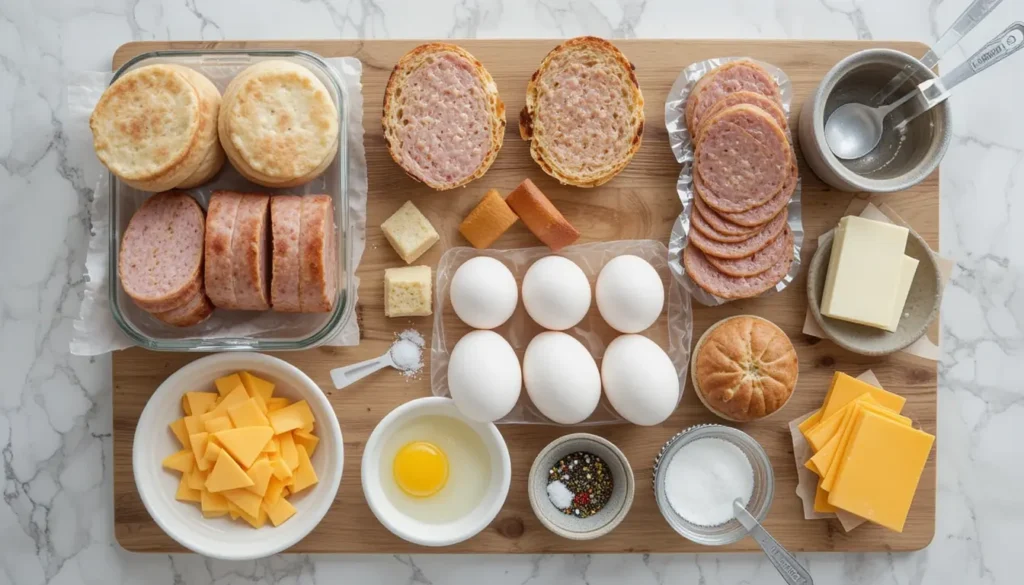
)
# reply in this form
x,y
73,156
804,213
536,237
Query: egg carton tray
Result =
x,y
672,331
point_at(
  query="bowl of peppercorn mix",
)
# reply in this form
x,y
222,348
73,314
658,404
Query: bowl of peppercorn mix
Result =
x,y
581,486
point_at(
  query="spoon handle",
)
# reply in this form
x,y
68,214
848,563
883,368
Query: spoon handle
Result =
x,y
966,22
347,375
1002,46
785,563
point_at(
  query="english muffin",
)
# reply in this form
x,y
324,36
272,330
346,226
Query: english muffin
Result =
x,y
278,124
744,368
147,125
443,119
584,114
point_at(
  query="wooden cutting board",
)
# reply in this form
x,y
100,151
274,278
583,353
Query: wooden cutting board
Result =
x,y
639,203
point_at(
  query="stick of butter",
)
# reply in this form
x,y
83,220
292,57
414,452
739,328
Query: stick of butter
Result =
x,y
907,271
864,272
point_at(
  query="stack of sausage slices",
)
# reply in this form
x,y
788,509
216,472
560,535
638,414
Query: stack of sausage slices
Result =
x,y
744,174
251,252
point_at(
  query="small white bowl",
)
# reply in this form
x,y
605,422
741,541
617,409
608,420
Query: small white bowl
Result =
x,y
413,530
223,538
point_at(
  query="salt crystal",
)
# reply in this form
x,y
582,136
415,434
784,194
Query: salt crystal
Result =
x,y
407,352
559,495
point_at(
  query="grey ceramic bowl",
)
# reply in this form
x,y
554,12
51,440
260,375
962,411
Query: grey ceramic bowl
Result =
x,y
920,310
898,162
600,523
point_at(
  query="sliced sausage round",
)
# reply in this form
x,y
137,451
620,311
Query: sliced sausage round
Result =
x,y
318,255
739,75
285,228
161,254
722,285
762,214
250,258
759,261
194,312
740,249
220,227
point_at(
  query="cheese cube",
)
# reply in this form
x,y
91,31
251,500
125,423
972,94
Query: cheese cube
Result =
x,y
845,389
488,220
246,443
218,424
186,493
197,479
212,452
879,473
247,502
280,511
256,386
180,432
274,490
304,475
409,232
295,416
276,403
907,270
260,473
280,469
200,402
182,461
199,441
864,271
227,475
247,414
214,503
228,384
236,396
305,439
407,291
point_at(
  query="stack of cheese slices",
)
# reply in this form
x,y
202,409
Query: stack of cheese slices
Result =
x,y
744,174
867,455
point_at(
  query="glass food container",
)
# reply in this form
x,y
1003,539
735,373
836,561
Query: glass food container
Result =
x,y
240,330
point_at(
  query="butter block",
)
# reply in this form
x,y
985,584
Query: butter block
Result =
x,y
864,271
907,271
409,232
879,473
407,291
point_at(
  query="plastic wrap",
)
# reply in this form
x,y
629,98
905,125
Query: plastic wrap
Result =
x,y
682,148
672,331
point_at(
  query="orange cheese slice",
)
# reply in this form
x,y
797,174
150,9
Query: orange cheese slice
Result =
x,y
227,475
247,502
257,386
182,461
186,493
200,402
279,511
218,424
229,384
213,503
293,416
845,389
260,473
247,414
304,475
835,465
245,444
180,432
199,441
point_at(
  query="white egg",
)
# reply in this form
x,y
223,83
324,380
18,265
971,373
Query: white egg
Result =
x,y
556,293
630,294
484,293
561,377
639,380
484,377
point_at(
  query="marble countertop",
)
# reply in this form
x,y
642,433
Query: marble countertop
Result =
x,y
55,409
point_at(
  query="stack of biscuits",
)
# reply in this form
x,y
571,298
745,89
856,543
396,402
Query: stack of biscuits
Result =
x,y
744,175
278,124
156,128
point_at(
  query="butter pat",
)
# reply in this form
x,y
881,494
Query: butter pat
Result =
x,y
907,271
409,232
864,272
407,291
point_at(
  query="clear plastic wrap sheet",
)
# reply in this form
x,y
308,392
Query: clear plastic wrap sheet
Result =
x,y
96,332
682,148
671,332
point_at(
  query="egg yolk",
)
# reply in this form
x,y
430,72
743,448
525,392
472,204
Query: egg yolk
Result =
x,y
421,469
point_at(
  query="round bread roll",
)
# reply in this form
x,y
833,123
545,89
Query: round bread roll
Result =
x,y
744,368
213,155
443,119
278,124
584,113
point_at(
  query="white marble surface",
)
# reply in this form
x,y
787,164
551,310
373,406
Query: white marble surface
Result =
x,y
55,410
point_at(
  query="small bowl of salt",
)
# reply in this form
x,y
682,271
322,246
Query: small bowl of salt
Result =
x,y
698,474
581,486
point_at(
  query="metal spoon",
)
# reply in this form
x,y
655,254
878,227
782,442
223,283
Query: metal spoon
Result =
x,y
785,563
348,375
854,129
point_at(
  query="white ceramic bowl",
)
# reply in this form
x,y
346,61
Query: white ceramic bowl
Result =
x,y
413,530
224,538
